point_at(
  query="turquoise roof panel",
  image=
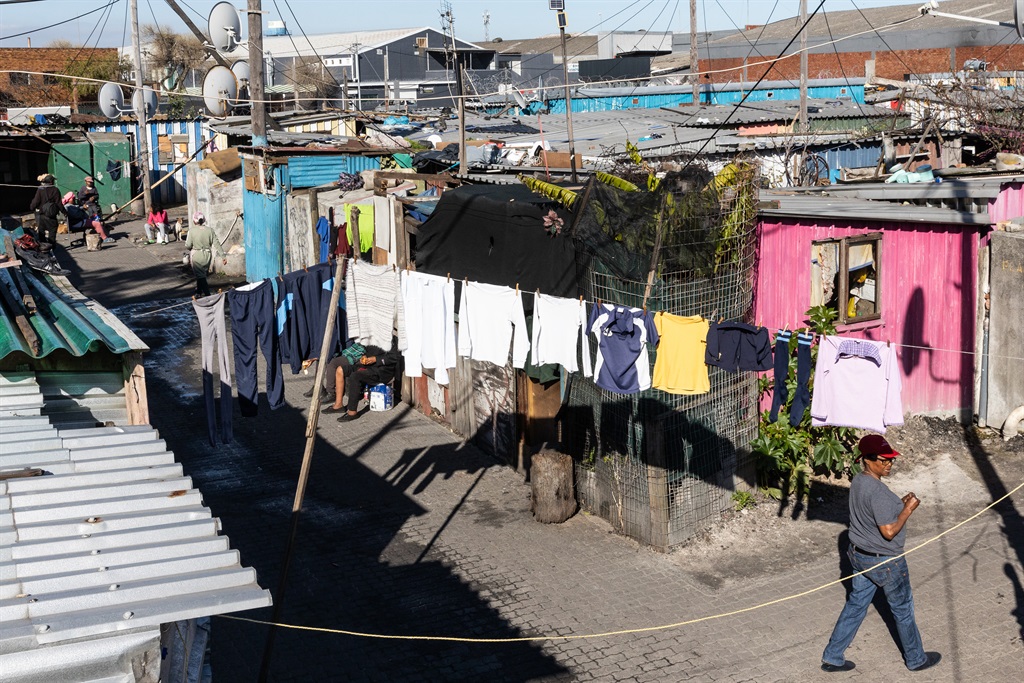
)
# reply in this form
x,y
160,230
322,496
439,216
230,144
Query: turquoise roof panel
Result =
x,y
58,317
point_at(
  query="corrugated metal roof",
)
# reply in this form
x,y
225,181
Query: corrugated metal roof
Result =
x,y
852,209
773,112
983,187
742,86
43,313
847,22
333,44
576,45
113,537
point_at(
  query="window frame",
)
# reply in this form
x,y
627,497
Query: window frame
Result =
x,y
843,296
20,78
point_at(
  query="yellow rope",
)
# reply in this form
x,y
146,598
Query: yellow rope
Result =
x,y
606,634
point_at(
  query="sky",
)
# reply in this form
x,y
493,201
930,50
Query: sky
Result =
x,y
508,18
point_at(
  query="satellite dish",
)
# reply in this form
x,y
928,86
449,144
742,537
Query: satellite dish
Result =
x,y
219,90
241,70
224,27
111,100
145,97
1018,17
520,100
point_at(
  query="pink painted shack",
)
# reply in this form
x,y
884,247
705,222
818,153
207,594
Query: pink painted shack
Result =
x,y
895,270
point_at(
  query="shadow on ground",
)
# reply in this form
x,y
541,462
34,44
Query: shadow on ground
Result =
x,y
352,567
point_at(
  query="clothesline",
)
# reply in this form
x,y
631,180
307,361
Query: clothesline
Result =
x,y
599,302
906,346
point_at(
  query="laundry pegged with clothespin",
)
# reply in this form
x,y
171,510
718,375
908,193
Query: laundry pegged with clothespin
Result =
x,y
856,384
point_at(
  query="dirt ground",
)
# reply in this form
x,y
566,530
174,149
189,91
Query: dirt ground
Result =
x,y
962,466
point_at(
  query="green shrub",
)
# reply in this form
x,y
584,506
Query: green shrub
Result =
x,y
743,500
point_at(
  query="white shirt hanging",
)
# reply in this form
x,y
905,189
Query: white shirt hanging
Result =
x,y
429,312
557,324
373,304
489,317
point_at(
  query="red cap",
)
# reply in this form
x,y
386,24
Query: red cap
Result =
x,y
875,445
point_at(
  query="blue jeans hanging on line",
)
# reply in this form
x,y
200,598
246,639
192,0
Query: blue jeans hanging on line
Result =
x,y
893,578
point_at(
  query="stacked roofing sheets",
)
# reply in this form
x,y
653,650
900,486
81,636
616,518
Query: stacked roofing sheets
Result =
x,y
110,538
41,313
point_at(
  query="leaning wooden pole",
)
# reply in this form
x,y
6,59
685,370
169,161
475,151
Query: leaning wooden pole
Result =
x,y
321,370
307,461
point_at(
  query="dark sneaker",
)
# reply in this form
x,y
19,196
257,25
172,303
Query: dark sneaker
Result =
x,y
931,659
833,668
348,418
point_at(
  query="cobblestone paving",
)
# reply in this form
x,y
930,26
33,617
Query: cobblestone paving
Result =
x,y
406,530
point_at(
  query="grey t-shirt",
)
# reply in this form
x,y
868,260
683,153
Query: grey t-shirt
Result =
x,y
872,504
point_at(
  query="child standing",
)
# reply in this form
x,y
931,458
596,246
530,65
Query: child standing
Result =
x,y
157,219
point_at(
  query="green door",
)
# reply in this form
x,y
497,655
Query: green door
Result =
x,y
110,170
69,163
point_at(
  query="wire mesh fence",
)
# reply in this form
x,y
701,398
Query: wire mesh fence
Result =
x,y
661,467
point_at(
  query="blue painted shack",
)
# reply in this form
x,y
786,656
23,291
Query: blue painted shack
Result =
x,y
171,142
656,96
271,176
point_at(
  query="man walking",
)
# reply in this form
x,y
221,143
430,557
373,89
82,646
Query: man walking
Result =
x,y
877,529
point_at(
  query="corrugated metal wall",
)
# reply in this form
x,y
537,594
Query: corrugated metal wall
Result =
x,y
264,228
1009,204
310,171
928,281
172,191
641,101
851,156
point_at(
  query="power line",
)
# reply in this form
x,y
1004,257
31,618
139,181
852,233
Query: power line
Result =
x,y
749,92
753,45
60,23
887,46
839,60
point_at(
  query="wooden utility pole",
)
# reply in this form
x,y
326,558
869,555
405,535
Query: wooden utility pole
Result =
x,y
568,98
694,66
139,102
257,89
803,67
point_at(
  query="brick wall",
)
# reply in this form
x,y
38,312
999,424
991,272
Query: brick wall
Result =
x,y
894,65
32,89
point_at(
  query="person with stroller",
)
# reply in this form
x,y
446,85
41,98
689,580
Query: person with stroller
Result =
x,y
47,205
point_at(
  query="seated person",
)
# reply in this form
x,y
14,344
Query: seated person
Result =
x,y
80,221
88,194
376,367
337,369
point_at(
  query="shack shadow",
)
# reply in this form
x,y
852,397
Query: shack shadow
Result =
x,y
1010,518
357,561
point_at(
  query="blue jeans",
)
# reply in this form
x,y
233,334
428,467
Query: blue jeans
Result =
x,y
894,579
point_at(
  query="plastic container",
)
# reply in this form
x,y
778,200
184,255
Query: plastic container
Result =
x,y
381,398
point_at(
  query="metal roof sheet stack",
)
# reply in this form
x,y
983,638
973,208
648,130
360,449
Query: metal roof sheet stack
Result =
x,y
110,538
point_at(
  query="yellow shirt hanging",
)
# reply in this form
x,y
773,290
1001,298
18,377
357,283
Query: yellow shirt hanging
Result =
x,y
680,368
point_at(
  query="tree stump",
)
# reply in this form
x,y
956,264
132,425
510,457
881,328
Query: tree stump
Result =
x,y
554,496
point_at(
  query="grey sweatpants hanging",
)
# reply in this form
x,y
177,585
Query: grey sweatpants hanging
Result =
x,y
210,312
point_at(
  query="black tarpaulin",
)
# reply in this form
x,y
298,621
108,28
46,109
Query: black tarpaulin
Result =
x,y
496,234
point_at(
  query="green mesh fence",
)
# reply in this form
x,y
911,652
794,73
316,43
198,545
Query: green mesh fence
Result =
x,y
662,467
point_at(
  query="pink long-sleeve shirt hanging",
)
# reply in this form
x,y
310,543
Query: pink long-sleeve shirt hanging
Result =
x,y
856,384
